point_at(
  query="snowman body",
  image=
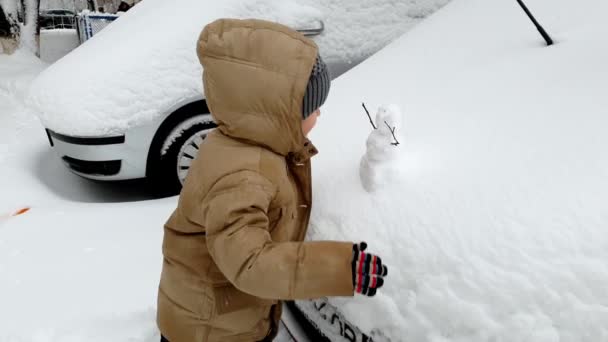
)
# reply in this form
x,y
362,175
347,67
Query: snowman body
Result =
x,y
379,165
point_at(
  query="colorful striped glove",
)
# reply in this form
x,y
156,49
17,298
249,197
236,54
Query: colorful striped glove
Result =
x,y
368,271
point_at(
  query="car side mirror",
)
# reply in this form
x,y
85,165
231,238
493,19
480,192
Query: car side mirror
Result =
x,y
314,30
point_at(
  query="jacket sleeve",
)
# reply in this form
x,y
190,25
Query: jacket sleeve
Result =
x,y
239,242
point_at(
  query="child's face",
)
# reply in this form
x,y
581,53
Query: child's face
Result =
x,y
310,122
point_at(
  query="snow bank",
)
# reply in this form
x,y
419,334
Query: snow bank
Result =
x,y
82,272
496,230
72,268
17,71
135,69
55,44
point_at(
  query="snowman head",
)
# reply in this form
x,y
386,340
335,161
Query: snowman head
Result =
x,y
388,114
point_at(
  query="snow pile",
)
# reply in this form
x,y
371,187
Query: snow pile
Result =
x,y
74,267
134,70
17,71
496,228
380,164
81,272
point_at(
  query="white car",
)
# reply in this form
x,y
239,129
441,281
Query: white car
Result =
x,y
129,103
491,212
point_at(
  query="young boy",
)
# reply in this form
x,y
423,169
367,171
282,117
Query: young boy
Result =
x,y
233,247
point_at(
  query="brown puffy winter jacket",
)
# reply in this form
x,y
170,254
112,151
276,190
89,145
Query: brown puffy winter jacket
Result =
x,y
233,247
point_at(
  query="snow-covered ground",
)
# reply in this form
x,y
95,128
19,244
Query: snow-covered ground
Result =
x,y
17,72
495,229
83,263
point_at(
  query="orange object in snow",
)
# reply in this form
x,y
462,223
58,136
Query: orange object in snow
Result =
x,y
21,211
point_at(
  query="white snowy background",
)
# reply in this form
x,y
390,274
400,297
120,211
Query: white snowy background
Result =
x,y
494,231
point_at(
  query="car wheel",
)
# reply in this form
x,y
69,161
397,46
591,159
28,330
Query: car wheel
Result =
x,y
178,151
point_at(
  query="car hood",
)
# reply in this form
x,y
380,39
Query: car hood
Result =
x,y
492,216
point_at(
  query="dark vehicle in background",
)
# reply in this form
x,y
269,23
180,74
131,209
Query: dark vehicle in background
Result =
x,y
57,19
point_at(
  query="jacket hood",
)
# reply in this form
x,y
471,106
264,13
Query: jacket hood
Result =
x,y
255,74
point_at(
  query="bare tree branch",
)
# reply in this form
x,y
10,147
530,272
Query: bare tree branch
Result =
x,y
369,116
393,133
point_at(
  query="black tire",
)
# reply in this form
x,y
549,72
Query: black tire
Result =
x,y
165,178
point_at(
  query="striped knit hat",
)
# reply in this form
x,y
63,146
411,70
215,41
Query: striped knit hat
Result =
x,y
317,89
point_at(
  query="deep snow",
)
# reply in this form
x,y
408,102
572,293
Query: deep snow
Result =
x,y
17,72
496,229
83,263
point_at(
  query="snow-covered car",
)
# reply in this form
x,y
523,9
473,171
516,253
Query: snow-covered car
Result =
x,y
491,211
129,103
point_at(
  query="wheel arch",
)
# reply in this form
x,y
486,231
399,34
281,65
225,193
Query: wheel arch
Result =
x,y
184,112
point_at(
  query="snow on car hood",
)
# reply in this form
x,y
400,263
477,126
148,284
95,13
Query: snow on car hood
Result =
x,y
145,63
495,227
354,29
127,74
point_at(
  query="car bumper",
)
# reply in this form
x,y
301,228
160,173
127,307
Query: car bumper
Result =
x,y
118,157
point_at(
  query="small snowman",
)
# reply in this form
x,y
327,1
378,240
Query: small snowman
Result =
x,y
379,165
